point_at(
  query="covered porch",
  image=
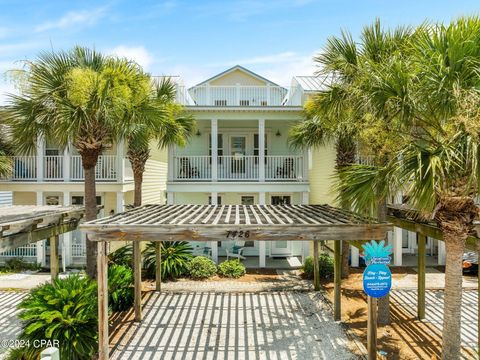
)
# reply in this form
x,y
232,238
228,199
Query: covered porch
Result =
x,y
209,223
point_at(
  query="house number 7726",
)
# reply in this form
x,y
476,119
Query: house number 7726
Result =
x,y
234,234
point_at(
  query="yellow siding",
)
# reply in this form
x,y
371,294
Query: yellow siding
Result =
x,y
237,77
24,198
154,182
321,175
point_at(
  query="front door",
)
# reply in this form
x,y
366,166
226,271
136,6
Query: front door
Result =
x,y
238,150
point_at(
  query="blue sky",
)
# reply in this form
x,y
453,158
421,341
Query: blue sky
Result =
x,y
197,39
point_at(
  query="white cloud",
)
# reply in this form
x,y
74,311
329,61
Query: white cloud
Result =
x,y
74,18
136,53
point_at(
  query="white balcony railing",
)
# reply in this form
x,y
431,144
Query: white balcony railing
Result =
x,y
27,251
234,95
238,168
53,167
56,168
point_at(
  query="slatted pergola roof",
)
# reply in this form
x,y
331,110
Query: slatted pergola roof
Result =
x,y
214,222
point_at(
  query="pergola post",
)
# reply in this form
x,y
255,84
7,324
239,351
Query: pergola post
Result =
x,y
102,300
54,257
422,239
158,266
337,279
316,267
137,274
372,328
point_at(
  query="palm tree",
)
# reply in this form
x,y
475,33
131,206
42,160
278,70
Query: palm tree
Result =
x,y
439,167
167,123
79,97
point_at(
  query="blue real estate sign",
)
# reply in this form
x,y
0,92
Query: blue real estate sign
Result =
x,y
377,278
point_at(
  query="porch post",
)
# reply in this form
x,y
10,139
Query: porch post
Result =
x,y
66,163
261,149
120,202
262,246
137,270
41,245
397,246
355,256
214,140
421,276
67,237
102,292
40,157
441,252
170,164
337,298
214,244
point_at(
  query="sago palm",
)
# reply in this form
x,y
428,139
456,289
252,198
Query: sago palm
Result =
x,y
79,97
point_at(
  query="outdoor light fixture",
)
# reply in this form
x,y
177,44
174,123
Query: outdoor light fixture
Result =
x,y
278,133
198,133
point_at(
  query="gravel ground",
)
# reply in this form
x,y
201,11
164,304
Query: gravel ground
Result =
x,y
219,325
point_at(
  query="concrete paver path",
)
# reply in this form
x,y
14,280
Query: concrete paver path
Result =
x,y
208,325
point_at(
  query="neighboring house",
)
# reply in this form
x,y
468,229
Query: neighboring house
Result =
x,y
240,154
55,177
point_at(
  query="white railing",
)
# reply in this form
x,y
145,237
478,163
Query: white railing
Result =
x,y
285,167
192,167
106,169
245,167
233,167
366,160
24,168
237,95
79,250
27,251
53,167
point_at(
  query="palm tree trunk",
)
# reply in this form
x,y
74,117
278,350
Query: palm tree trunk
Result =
x,y
138,181
455,247
90,214
345,156
383,302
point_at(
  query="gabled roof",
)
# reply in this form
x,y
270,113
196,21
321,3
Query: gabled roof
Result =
x,y
241,68
311,83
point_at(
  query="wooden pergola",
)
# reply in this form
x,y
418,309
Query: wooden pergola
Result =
x,y
21,225
216,222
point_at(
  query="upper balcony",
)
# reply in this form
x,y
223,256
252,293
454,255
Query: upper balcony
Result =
x,y
233,95
67,168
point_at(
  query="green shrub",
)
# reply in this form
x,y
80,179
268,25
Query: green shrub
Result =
x,y
325,263
122,256
65,311
18,264
231,268
175,257
120,287
201,267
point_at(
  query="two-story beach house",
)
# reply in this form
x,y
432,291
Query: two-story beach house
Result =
x,y
240,154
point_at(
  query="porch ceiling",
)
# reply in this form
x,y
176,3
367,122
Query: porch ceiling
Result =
x,y
252,222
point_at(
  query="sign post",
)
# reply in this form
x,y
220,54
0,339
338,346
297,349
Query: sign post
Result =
x,y
377,282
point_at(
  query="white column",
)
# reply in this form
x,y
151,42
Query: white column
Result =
x,y
262,248
66,163
214,246
170,197
214,140
40,157
171,159
207,94
412,243
120,161
305,198
261,149
67,237
397,246
305,164
305,250
120,202
441,253
355,254
214,198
